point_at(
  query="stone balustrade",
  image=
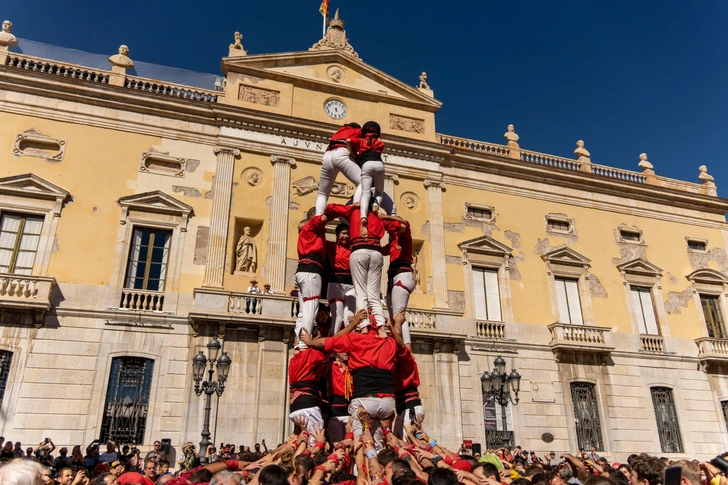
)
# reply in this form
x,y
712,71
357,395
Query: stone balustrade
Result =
x,y
473,145
170,89
712,351
142,300
618,173
56,68
491,330
652,343
28,297
549,160
580,339
421,319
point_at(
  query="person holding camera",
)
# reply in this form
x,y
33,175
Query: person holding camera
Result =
x,y
189,459
211,454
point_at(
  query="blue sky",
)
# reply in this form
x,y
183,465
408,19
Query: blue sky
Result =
x,y
625,76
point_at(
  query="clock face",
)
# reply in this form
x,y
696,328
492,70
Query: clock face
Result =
x,y
335,108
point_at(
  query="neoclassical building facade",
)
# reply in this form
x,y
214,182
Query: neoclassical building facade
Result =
x,y
128,192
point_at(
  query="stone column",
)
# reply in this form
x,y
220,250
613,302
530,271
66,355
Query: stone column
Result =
x,y
389,180
437,242
278,233
222,189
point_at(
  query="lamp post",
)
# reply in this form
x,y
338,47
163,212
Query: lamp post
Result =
x,y
497,385
210,387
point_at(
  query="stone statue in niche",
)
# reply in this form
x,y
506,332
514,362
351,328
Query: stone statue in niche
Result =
x,y
7,39
246,253
416,268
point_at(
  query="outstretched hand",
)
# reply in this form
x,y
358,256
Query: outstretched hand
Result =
x,y
305,337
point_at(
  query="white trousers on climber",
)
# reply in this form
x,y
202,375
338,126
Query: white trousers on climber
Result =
x,y
335,162
342,301
309,294
372,176
366,271
398,298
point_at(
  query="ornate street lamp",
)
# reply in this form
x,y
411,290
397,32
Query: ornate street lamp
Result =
x,y
210,387
497,385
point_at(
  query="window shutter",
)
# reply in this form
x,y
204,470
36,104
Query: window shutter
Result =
x,y
492,295
572,294
562,301
481,311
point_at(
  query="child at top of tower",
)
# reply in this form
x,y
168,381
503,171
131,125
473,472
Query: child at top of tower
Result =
x,y
337,159
367,151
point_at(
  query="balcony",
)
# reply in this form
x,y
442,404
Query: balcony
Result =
x,y
712,352
491,330
573,340
654,344
142,300
24,300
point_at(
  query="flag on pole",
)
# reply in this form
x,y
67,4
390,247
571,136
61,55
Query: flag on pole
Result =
x,y
324,8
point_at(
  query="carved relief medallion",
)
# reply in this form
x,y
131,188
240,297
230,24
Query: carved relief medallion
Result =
x,y
252,176
410,201
335,73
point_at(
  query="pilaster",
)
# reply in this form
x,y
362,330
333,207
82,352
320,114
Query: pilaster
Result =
x,y
437,242
222,189
277,241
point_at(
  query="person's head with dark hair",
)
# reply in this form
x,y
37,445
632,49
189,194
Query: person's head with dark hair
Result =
x,y
386,456
272,475
341,476
320,459
442,476
533,470
342,233
647,470
202,475
403,477
394,466
353,125
103,479
619,477
486,470
248,456
538,477
521,481
371,127
305,463
631,458
599,480
554,478
625,470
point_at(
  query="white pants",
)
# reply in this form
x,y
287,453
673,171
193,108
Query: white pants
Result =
x,y
398,429
378,408
313,416
335,161
372,175
387,202
309,293
398,298
366,271
342,301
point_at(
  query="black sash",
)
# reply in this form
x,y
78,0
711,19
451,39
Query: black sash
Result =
x,y
369,380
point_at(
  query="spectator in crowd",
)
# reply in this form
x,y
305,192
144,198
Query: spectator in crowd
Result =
x,y
76,461
110,454
116,468
647,470
252,303
150,472
62,459
21,473
690,472
104,479
156,453
92,455
7,451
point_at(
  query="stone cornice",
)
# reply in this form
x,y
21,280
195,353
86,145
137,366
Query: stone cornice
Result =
x,y
218,115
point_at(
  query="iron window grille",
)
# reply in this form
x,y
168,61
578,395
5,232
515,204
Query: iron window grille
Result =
x,y
667,426
724,407
6,358
586,416
127,400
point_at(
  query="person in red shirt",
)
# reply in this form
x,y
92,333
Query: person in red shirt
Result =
x,y
340,390
309,274
342,298
366,257
400,278
367,150
337,159
305,369
371,361
406,382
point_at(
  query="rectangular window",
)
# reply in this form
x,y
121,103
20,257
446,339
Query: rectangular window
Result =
x,y
148,256
667,425
487,296
19,238
724,407
713,316
127,400
644,311
630,236
567,293
586,415
698,245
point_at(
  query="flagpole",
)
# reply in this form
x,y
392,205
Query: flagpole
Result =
x,y
326,17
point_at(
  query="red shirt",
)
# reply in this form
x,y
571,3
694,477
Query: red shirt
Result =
x,y
339,256
400,246
337,379
365,350
375,226
406,374
307,365
346,132
369,143
312,237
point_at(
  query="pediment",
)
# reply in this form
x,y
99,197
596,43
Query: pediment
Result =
x,y
566,255
485,245
709,276
156,201
29,185
318,70
640,266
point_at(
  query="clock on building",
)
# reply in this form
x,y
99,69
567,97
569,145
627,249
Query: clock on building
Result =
x,y
335,108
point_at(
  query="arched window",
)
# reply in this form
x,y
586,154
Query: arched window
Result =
x,y
127,400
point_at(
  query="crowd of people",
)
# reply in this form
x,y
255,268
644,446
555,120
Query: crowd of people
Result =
x,y
354,402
